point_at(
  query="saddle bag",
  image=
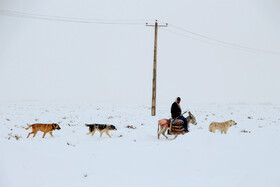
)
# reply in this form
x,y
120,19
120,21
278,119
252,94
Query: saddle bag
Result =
x,y
177,125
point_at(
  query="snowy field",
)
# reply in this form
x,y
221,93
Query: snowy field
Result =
x,y
247,156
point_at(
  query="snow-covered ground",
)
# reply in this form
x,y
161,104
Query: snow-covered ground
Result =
x,y
247,156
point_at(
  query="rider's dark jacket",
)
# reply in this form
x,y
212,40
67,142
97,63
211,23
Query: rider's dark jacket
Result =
x,y
175,110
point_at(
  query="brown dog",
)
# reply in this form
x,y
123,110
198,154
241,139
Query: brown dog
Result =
x,y
46,128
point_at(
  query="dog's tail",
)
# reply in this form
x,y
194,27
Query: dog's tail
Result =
x,y
28,127
86,125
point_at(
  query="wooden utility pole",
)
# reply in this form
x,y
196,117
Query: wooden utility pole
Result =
x,y
156,25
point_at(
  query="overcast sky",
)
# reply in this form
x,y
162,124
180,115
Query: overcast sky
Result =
x,y
57,60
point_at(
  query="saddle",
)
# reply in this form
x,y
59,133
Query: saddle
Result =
x,y
176,125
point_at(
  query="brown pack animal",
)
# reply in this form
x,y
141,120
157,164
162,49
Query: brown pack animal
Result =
x,y
46,128
175,126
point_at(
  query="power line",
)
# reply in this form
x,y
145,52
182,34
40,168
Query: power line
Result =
x,y
69,19
214,41
198,37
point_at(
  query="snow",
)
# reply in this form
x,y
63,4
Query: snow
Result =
x,y
246,156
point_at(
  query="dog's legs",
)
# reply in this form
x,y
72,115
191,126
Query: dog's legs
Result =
x,y
51,133
101,134
88,133
44,134
30,133
108,134
35,134
92,133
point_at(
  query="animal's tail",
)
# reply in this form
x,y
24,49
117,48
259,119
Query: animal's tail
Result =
x,y
158,135
86,125
28,127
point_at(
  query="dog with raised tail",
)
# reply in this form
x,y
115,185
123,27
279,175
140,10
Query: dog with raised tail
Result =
x,y
101,128
45,128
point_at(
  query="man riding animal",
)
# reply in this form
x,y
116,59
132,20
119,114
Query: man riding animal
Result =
x,y
176,125
176,113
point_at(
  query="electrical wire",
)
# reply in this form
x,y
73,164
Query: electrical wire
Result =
x,y
206,39
70,19
198,37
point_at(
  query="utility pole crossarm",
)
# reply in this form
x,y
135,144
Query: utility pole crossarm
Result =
x,y
156,25
152,25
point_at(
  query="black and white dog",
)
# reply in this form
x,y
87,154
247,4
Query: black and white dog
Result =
x,y
101,128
